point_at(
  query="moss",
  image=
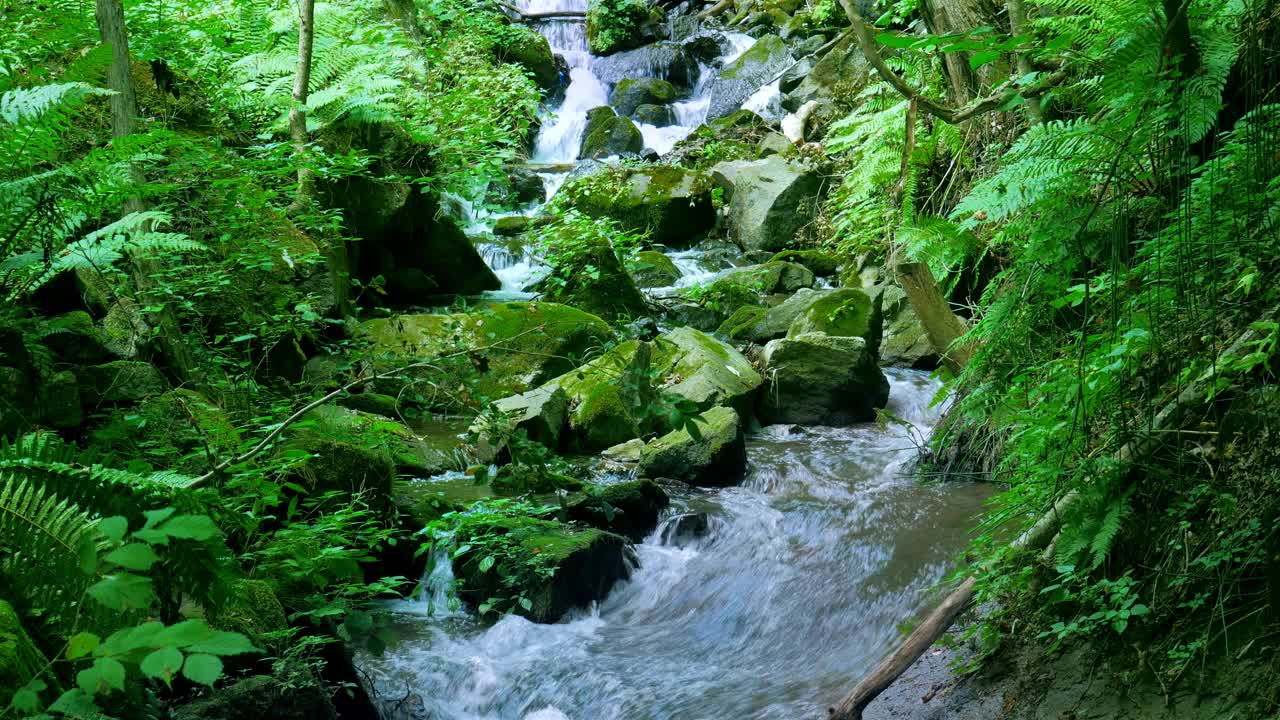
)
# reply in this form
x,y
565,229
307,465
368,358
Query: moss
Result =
x,y
189,423
121,382
375,403
654,269
253,609
630,93
332,465
596,282
610,136
844,313
75,339
670,203
411,454
524,47
739,324
822,264
20,659
614,25
628,508
607,396
717,457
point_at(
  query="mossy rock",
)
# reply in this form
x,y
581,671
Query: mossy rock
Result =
x,y
655,115
343,467
772,322
60,401
586,563
424,501
20,659
630,93
512,224
614,25
654,269
608,397
670,203
817,379
75,339
374,403
846,313
904,342
251,609
296,696
530,50
630,509
595,281
705,371
540,413
770,277
524,345
181,426
412,454
821,263
608,134
122,382
738,325
776,144
717,457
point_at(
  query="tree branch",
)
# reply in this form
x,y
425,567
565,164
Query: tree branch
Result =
x,y
549,15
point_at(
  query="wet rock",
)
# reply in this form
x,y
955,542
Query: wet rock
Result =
x,y
681,529
717,457
631,93
60,401
705,371
759,325
650,155
645,328
335,466
844,66
541,413
665,60
655,115
672,204
795,75
818,379
629,509
607,397
608,133
905,342
512,224
374,403
694,315
410,453
738,80
737,327
654,269
596,282
822,263
538,341
299,697
586,563
122,382
771,201
775,144
627,453
771,277
75,339
846,313
520,187
530,50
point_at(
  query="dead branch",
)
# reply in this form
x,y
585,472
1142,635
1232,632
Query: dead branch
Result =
x,y
549,15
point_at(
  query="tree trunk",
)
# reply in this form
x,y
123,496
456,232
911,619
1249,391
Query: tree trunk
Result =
x,y
298,113
124,111
406,13
940,324
1018,26
958,16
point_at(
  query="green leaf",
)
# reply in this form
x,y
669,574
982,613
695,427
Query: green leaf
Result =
x,y
155,517
162,664
187,632
74,703
123,592
486,563
105,674
203,669
224,643
895,40
526,603
81,644
133,556
27,699
191,527
978,59
114,528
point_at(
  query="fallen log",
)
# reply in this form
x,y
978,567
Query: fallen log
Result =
x,y
1195,394
716,9
539,16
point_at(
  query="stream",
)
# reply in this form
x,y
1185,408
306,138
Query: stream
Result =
x,y
794,588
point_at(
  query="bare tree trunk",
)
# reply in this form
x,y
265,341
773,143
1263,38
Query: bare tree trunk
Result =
x,y
124,111
940,324
298,113
957,16
1018,26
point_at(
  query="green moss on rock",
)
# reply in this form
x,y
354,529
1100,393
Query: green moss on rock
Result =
x,y
630,93
20,659
122,382
822,264
819,379
705,371
630,508
530,50
738,326
607,397
609,134
654,269
846,313
252,609
717,457
670,203
614,25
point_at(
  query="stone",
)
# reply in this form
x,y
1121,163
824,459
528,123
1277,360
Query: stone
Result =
x,y
655,115
627,453
585,563
530,50
739,79
411,454
817,379
759,324
665,60
300,697
843,67
185,427
20,659
681,529
822,263
718,457
60,401
775,144
121,382
654,269
251,609
334,466
846,313
671,203
595,281
614,25
904,342
631,93
771,201
608,134
630,509
541,413
607,397
512,224
515,347
771,277
706,371
374,403
75,339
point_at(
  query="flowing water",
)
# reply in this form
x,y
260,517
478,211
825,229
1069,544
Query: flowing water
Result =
x,y
797,589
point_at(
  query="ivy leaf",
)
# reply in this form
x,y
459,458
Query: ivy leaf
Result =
x,y
134,556
106,674
123,591
162,664
486,563
984,57
114,528
202,668
187,632
81,644
191,527
222,642
74,703
27,700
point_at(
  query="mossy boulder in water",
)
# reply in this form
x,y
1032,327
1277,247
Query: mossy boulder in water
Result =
x,y
629,509
758,324
671,203
530,50
631,93
654,269
614,25
594,280
515,347
582,564
411,454
609,134
845,312
771,201
716,457
705,371
770,277
512,224
822,263
904,341
655,115
541,413
608,397
817,379
763,61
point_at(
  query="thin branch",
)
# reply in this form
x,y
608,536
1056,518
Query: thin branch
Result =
x,y
549,15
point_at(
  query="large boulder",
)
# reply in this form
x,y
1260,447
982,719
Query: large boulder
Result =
x,y
653,269
412,454
408,241
844,66
608,134
905,342
631,93
770,277
541,413
845,312
581,564
716,457
615,25
608,397
322,465
822,263
515,347
671,203
655,115
755,324
770,200
122,382
75,339
738,80
817,379
630,509
705,371
589,276
300,697
667,61
530,50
